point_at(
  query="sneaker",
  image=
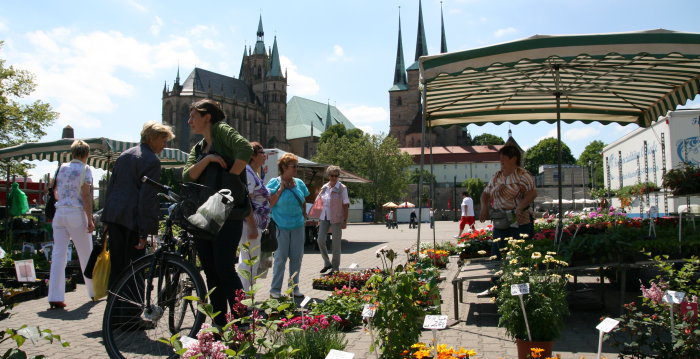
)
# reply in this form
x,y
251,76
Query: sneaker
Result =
x,y
484,294
326,268
275,295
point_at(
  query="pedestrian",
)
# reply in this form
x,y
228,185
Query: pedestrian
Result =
x,y
432,218
219,161
412,220
331,208
256,221
467,214
288,207
72,222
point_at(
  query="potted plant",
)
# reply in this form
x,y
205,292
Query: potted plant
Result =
x,y
545,305
684,180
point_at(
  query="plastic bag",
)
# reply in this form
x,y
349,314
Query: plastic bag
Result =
x,y
18,201
100,273
211,215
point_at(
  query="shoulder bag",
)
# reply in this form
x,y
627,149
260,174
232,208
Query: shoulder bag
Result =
x,y
268,239
502,219
218,178
50,206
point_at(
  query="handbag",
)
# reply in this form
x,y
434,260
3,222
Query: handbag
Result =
x,y
50,206
268,239
211,215
100,273
96,250
503,219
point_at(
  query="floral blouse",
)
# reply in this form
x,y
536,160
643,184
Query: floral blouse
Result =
x,y
68,184
259,198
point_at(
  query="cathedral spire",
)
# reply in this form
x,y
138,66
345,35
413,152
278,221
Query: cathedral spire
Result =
x,y
400,68
241,73
260,44
329,119
275,68
443,39
421,43
177,77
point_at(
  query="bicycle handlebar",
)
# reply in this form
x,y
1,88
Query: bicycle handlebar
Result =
x,y
163,188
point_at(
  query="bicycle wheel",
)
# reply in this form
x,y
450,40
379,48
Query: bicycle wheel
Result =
x,y
134,321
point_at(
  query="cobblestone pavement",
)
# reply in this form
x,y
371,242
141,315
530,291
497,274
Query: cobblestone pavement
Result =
x,y
81,322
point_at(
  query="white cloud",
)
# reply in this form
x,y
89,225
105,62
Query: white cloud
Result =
x,y
299,84
135,4
581,133
338,54
369,119
157,25
203,30
81,74
551,133
3,26
505,31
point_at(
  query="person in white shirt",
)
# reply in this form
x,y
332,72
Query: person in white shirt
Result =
x,y
467,214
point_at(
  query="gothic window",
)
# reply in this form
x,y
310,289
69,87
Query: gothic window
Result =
x,y
398,101
259,75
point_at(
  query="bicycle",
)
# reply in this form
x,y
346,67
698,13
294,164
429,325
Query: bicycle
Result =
x,y
154,288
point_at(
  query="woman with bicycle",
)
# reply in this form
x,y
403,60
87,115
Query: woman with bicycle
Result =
x,y
218,161
288,208
257,221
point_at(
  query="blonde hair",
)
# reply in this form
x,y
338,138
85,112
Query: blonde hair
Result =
x,y
79,149
153,130
286,160
332,170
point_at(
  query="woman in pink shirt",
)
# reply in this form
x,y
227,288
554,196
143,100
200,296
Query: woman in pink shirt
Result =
x,y
331,208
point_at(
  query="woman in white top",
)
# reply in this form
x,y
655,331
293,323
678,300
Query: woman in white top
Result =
x,y
72,221
331,208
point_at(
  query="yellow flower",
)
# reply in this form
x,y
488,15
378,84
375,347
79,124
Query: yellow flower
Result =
x,y
536,352
514,261
551,253
536,255
529,246
481,252
518,274
492,258
569,276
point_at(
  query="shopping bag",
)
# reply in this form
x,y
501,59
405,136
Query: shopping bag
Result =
x,y
96,251
100,273
211,215
268,239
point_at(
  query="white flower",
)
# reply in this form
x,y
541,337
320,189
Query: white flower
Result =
x,y
529,246
493,258
524,269
499,273
514,261
551,253
481,252
569,276
523,235
518,273
536,255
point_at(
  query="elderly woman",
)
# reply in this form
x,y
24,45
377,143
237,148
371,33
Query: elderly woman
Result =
x,y
72,221
331,208
218,161
288,208
512,189
256,221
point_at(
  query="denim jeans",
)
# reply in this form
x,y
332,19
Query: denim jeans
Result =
x,y
290,246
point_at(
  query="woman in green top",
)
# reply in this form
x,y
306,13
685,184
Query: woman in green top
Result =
x,y
222,148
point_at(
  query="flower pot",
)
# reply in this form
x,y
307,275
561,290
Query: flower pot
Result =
x,y
524,346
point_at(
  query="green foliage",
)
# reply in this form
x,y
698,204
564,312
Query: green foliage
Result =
x,y
683,181
414,177
545,153
474,186
20,336
345,303
20,122
546,304
373,157
486,139
593,154
339,131
315,344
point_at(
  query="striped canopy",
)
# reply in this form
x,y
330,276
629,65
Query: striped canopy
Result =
x,y
624,78
103,151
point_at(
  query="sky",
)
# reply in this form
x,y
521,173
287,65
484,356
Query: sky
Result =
x,y
103,64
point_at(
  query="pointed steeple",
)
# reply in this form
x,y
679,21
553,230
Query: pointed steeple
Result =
x,y
329,118
260,43
241,73
275,68
443,39
177,77
400,81
421,43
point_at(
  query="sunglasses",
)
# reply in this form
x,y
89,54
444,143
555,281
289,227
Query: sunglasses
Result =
x,y
332,175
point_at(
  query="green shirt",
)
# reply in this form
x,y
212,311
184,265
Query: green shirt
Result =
x,y
227,141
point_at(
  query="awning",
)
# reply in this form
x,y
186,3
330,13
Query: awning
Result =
x,y
102,152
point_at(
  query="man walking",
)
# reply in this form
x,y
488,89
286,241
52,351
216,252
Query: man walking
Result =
x,y
467,214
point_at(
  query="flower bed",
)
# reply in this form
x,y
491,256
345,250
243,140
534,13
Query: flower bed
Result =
x,y
435,257
341,279
475,244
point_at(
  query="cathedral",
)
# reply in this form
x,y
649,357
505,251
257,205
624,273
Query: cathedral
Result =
x,y
405,110
255,103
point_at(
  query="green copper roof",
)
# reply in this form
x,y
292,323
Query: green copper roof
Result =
x,y
400,67
302,114
260,44
443,38
421,42
275,68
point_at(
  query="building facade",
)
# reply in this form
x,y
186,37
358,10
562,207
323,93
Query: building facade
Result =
x,y
405,110
255,103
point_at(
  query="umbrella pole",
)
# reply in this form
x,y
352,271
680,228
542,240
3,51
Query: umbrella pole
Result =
x,y
432,185
422,164
557,94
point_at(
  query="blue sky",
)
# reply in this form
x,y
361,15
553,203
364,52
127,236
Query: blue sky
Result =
x,y
103,64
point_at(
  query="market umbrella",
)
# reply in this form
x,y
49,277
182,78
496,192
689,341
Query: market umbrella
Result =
x,y
103,151
632,77
406,205
390,205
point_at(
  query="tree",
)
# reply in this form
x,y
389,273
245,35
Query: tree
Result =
x,y
592,156
376,158
486,139
339,131
20,123
474,186
545,153
414,177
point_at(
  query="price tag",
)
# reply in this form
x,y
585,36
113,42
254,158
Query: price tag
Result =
x,y
25,270
305,301
368,310
186,341
337,354
607,325
520,289
689,311
353,265
672,296
435,322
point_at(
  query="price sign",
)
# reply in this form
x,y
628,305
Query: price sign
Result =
x,y
689,311
607,325
368,310
672,296
305,301
520,289
435,322
353,265
337,354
